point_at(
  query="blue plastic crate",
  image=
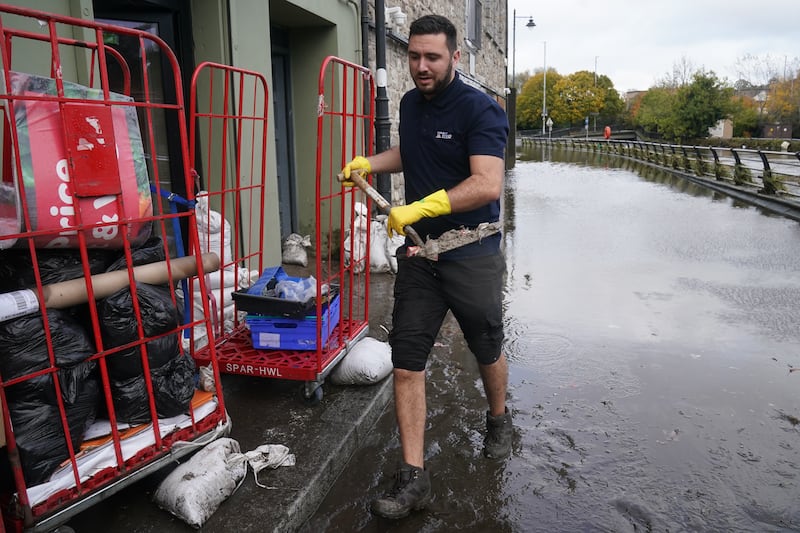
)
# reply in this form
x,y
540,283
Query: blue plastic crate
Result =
x,y
280,333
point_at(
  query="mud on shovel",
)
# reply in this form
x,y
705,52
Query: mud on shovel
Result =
x,y
431,248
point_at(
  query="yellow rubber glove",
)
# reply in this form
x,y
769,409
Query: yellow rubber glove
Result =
x,y
359,163
433,205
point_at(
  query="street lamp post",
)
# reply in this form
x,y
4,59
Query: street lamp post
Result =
x,y
511,103
595,84
544,90
530,24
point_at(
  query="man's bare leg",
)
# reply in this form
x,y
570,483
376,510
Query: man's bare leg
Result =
x,y
499,429
495,384
412,489
410,407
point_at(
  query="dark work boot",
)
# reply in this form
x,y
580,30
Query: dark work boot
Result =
x,y
411,491
497,443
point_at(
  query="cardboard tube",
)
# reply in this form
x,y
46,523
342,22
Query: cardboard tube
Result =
x,y
68,293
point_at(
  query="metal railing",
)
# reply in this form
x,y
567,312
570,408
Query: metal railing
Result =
x,y
768,172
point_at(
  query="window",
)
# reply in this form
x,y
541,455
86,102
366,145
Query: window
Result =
x,y
474,16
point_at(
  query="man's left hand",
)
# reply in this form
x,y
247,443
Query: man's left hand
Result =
x,y
433,205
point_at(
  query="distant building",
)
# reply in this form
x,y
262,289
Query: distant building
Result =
x,y
631,96
759,95
777,131
722,130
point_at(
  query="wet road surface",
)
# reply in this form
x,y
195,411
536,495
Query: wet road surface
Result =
x,y
651,331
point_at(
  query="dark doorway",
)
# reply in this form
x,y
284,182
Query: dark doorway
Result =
x,y
283,122
170,20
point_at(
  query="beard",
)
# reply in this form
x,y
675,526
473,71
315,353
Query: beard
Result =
x,y
439,84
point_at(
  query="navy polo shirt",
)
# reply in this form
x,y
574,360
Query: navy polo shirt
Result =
x,y
437,138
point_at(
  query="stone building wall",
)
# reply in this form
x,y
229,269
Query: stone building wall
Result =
x,y
484,67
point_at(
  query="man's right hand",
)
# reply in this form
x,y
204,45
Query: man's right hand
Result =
x,y
358,164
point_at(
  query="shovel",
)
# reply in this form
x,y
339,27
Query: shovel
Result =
x,y
430,249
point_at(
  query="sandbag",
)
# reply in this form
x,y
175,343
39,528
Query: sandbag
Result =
x,y
355,242
225,293
196,488
294,249
239,279
232,281
213,230
368,362
378,259
392,244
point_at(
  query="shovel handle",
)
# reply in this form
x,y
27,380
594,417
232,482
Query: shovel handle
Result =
x,y
383,205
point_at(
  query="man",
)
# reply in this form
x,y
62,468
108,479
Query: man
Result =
x,y
452,142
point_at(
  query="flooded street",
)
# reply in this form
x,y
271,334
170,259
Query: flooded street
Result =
x,y
651,326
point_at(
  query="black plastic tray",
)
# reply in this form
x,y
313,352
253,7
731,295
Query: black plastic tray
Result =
x,y
257,299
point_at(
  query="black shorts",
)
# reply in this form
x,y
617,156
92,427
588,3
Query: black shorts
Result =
x,y
424,291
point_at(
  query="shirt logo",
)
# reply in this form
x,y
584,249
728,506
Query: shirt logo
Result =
x,y
444,135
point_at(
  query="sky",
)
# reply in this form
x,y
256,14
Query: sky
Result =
x,y
636,43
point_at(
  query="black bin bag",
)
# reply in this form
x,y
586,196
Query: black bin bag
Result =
x,y
172,374
32,403
55,265
160,318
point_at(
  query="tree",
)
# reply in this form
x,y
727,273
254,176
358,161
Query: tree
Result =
x,y
685,112
577,98
654,110
742,85
529,102
681,75
758,70
744,114
613,106
520,78
570,99
699,106
783,105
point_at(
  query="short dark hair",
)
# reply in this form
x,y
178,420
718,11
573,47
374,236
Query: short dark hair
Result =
x,y
433,24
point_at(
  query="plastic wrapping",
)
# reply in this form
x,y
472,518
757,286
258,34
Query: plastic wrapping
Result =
x,y
108,137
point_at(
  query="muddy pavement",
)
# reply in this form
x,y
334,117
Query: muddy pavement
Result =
x,y
651,332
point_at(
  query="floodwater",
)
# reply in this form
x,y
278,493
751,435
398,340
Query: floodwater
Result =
x,y
651,331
